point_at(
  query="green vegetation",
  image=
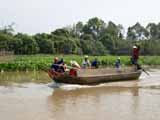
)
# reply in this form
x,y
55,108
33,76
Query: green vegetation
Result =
x,y
41,62
95,37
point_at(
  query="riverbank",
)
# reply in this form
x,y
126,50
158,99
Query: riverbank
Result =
x,y
41,62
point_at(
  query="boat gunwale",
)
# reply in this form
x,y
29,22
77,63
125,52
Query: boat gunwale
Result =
x,y
115,74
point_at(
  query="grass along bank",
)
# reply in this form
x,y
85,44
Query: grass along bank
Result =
x,y
41,62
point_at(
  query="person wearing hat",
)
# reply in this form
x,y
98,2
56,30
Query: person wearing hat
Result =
x,y
135,54
62,66
60,62
95,63
75,66
55,65
86,63
118,63
58,65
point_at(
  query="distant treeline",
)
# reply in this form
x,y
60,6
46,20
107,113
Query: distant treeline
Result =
x,y
94,38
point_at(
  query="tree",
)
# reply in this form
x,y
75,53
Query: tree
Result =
x,y
121,31
152,30
137,32
112,29
94,27
108,42
8,29
66,45
87,37
61,32
94,37
29,45
4,41
77,30
100,49
46,46
93,47
45,43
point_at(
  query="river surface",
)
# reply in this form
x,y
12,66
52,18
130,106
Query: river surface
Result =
x,y
32,96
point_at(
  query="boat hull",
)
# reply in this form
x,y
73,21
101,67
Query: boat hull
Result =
x,y
97,79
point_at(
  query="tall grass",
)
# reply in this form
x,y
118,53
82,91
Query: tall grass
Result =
x,y
41,62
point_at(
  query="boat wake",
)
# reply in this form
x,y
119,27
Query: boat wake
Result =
x,y
64,86
152,81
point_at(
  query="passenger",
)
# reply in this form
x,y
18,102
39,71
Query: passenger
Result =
x,y
55,65
135,56
86,63
58,65
60,62
95,63
75,64
55,60
73,70
62,66
118,63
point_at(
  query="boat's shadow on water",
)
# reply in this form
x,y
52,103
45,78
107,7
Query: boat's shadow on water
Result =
x,y
67,87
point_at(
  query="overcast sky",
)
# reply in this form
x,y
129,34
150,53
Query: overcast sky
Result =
x,y
34,16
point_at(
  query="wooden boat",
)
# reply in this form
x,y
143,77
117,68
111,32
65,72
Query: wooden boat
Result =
x,y
95,76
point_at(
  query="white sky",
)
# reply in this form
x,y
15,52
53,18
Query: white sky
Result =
x,y
34,16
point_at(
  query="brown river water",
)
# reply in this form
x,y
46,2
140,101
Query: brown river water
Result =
x,y
33,96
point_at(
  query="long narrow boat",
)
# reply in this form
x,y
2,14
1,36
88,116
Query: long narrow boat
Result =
x,y
95,76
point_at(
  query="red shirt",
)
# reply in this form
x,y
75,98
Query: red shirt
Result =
x,y
135,53
73,72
